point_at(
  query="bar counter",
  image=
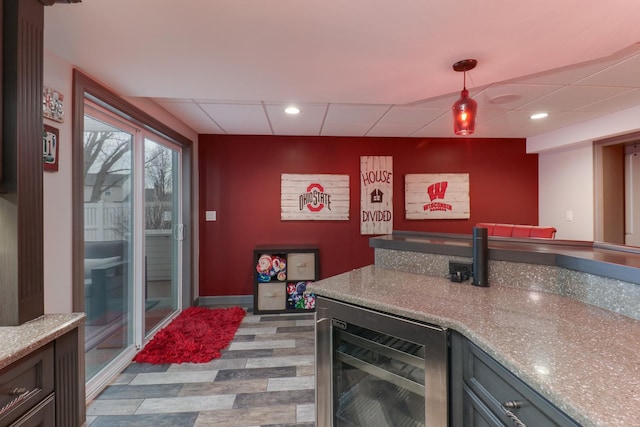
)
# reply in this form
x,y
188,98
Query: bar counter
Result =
x,y
582,358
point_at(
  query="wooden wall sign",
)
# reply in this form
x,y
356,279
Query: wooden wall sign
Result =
x,y
376,195
437,196
314,197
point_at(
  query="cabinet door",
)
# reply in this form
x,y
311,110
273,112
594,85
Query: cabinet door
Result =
x,y
499,389
476,414
41,416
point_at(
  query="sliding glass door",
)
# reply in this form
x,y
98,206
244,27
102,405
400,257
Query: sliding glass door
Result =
x,y
163,231
108,258
132,240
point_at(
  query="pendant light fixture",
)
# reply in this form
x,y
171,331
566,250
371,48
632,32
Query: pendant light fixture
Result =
x,y
464,110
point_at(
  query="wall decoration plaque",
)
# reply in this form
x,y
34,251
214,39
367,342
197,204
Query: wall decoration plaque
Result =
x,y
437,196
52,105
314,197
50,148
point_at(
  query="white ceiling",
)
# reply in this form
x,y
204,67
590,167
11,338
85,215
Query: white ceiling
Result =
x,y
358,67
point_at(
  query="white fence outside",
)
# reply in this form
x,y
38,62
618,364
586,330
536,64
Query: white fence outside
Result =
x,y
104,220
107,221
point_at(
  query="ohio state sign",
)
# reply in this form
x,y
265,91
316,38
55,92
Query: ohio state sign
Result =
x,y
314,197
437,196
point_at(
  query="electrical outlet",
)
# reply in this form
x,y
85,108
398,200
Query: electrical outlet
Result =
x,y
459,271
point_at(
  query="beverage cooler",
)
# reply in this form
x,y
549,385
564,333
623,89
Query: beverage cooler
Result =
x,y
375,369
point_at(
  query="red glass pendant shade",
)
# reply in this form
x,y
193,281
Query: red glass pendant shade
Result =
x,y
464,114
465,109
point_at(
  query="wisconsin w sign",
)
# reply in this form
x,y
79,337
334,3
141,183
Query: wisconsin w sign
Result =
x,y
437,196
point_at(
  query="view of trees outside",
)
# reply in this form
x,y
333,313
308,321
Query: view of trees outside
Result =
x,y
107,169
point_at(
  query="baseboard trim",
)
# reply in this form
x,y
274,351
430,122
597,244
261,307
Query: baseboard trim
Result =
x,y
241,300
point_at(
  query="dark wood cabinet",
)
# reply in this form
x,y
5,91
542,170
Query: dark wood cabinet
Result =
x,y
21,214
42,387
281,274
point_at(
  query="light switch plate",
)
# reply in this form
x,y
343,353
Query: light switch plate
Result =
x,y
210,215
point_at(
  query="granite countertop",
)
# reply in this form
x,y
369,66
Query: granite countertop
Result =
x,y
19,341
582,358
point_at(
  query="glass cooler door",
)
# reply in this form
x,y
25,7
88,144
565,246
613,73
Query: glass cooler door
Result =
x,y
379,379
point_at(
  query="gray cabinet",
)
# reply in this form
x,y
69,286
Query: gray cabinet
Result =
x,y
485,393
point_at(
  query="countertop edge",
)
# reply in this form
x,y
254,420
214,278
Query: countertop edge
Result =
x,y
28,337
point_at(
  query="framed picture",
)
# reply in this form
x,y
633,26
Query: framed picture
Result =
x,y
52,105
50,148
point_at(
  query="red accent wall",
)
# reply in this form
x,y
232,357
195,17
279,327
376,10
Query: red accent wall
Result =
x,y
240,180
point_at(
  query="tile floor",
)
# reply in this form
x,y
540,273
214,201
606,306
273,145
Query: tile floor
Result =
x,y
265,378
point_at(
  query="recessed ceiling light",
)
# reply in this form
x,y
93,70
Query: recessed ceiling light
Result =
x,y
538,116
292,110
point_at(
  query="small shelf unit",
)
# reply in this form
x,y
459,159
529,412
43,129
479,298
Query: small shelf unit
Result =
x,y
281,274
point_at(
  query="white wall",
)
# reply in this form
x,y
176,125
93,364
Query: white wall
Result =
x,y
57,197
57,188
565,188
566,172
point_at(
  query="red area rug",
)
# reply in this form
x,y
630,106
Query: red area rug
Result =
x,y
195,336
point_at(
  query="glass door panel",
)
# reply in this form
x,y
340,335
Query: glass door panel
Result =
x,y
108,286
162,233
379,379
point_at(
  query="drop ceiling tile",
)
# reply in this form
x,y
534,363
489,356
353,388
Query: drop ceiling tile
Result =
x,y
571,98
307,122
403,121
628,99
190,114
567,75
352,119
239,118
505,97
623,74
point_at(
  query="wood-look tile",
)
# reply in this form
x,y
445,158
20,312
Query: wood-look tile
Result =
x,y
257,416
253,345
306,413
274,398
185,419
246,354
225,387
286,317
296,329
113,406
140,391
267,362
294,352
256,330
306,370
291,383
186,404
214,365
283,336
261,372
137,368
174,377
253,384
